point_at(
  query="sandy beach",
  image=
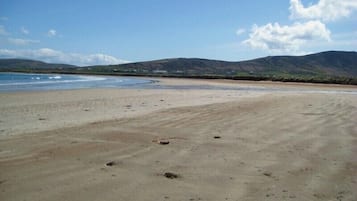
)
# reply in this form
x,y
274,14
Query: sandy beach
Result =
x,y
241,145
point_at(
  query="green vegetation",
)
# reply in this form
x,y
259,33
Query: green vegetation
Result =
x,y
326,67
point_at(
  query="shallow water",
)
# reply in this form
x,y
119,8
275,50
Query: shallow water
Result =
x,y
37,82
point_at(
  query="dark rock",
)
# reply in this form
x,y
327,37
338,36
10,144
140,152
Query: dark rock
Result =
x,y
111,163
217,137
171,175
163,142
268,174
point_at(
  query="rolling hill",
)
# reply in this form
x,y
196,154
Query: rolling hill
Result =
x,y
26,64
330,67
331,63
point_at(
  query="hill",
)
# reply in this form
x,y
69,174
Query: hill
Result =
x,y
325,67
331,63
26,64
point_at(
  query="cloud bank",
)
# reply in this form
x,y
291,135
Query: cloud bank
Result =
x,y
21,41
277,38
325,10
55,56
309,26
51,55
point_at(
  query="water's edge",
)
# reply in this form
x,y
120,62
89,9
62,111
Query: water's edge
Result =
x,y
10,82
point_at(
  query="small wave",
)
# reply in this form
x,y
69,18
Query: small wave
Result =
x,y
92,78
48,82
55,77
26,82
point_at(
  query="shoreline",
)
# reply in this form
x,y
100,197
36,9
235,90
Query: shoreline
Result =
x,y
240,79
196,83
22,82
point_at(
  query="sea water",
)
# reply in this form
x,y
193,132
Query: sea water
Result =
x,y
34,82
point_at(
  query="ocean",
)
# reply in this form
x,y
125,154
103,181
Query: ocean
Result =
x,y
11,82
37,82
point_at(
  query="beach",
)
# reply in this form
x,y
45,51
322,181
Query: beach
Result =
x,y
299,143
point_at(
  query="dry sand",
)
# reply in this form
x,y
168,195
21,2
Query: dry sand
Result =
x,y
268,145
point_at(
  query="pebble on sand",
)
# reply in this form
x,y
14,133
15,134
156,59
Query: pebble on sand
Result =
x,y
111,163
268,174
162,141
171,175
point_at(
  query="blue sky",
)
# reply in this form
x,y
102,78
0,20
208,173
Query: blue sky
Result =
x,y
88,32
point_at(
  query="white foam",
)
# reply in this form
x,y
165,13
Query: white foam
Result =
x,y
57,81
55,77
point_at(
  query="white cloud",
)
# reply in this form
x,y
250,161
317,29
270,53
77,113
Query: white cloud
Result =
x,y
326,10
24,31
308,30
289,39
3,31
51,33
240,32
99,59
55,56
21,41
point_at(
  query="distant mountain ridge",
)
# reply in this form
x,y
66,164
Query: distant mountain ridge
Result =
x,y
332,63
330,66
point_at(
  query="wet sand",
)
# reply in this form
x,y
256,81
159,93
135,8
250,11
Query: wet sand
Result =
x,y
102,144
